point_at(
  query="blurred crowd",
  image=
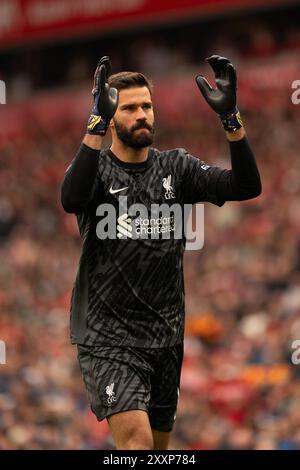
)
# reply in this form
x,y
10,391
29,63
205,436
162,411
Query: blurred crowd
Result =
x,y
156,51
240,388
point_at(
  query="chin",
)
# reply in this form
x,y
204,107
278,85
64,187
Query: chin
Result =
x,y
141,145
144,139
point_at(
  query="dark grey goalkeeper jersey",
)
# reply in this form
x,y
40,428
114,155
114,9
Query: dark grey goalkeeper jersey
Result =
x,y
129,289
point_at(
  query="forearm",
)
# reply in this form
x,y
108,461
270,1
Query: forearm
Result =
x,y
80,182
80,177
93,141
243,180
236,136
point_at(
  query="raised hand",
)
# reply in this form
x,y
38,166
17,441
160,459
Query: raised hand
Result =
x,y
105,99
222,99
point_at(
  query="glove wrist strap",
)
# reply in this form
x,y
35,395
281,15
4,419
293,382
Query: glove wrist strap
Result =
x,y
97,125
231,121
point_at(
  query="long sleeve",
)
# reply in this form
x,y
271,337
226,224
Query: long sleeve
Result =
x,y
243,180
203,182
80,179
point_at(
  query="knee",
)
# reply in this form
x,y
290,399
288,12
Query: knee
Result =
x,y
138,440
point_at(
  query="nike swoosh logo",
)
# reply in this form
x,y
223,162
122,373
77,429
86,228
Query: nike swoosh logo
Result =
x,y
114,191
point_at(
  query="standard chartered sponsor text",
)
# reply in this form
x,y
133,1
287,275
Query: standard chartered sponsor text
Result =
x,y
162,221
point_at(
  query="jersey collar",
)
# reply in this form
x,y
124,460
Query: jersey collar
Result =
x,y
132,166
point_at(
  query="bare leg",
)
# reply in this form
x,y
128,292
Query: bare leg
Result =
x,y
131,430
161,439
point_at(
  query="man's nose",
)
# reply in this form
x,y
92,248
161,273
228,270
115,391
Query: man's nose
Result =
x,y
141,114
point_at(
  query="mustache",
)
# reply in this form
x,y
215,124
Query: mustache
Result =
x,y
142,125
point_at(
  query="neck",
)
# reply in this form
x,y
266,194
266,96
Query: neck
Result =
x,y
129,154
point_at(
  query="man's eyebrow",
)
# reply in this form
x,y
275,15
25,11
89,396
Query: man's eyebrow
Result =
x,y
125,105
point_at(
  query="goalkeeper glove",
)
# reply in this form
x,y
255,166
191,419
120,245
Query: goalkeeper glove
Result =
x,y
223,98
105,99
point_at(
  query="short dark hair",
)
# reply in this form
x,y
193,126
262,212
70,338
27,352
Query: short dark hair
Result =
x,y
123,80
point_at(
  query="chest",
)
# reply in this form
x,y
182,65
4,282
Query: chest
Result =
x,y
158,186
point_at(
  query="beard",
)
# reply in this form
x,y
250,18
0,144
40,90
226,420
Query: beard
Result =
x,y
131,138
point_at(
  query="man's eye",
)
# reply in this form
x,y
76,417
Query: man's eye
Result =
x,y
128,108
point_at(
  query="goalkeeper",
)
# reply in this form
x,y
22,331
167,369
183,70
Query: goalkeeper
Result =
x,y
127,307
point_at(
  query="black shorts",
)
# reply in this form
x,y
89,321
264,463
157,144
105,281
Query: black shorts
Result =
x,y
121,379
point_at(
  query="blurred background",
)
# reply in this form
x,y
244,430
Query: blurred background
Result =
x,y
240,389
